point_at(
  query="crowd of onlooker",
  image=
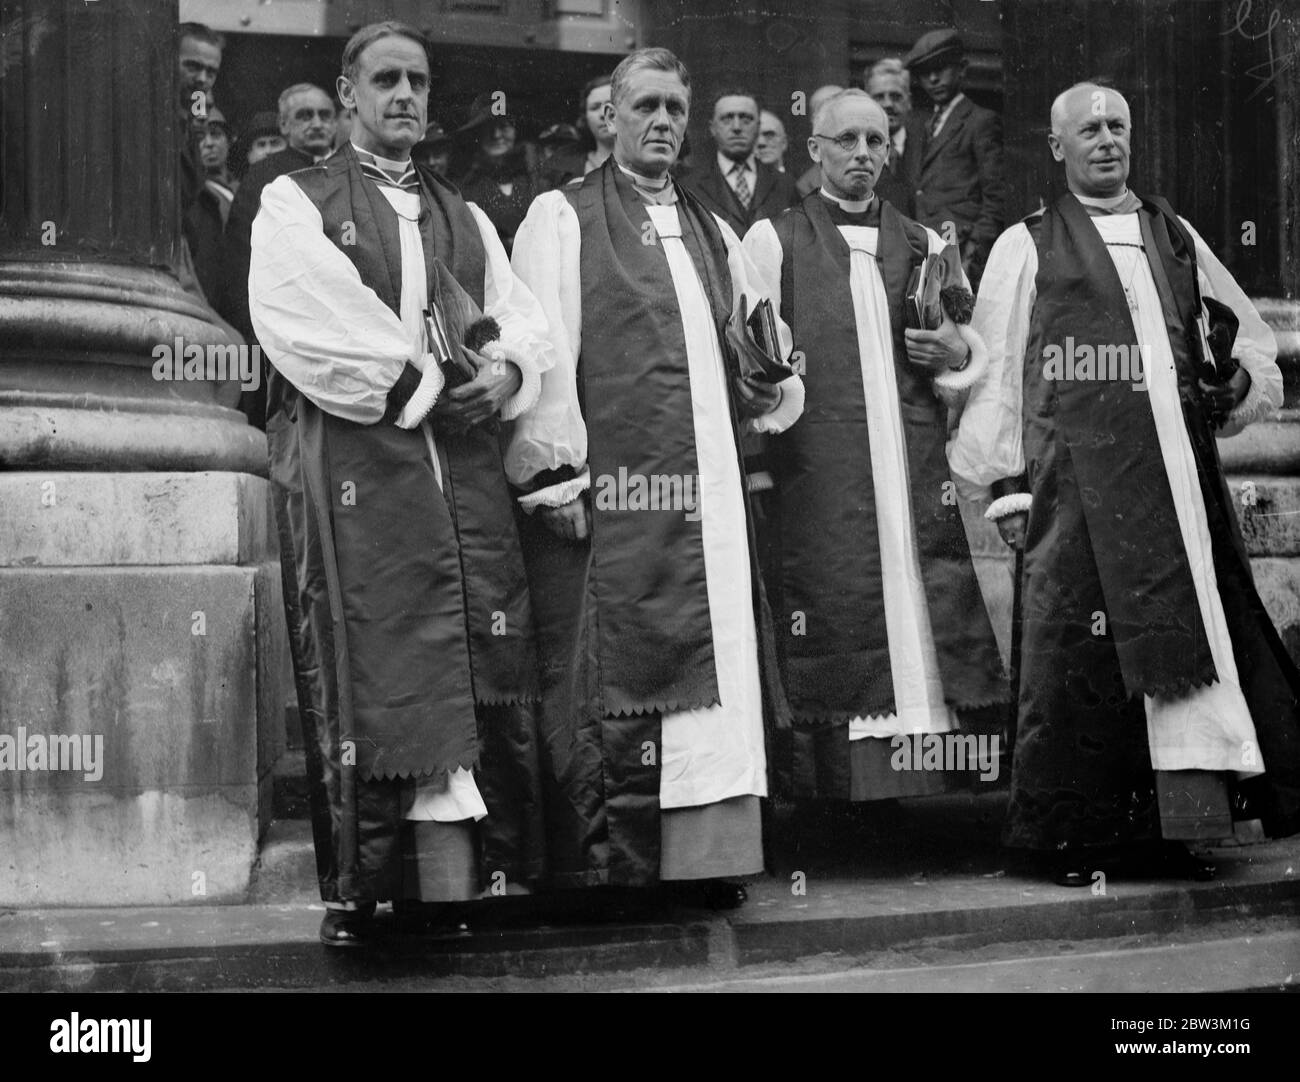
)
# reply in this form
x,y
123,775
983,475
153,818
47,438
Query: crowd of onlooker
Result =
x,y
944,166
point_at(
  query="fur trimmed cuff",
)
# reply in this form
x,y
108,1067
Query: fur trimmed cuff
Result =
x,y
530,390
1254,407
426,395
1013,504
787,411
759,481
557,495
975,368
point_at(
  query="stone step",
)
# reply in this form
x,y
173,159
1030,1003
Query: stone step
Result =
x,y
285,873
1265,447
823,906
1268,511
1266,960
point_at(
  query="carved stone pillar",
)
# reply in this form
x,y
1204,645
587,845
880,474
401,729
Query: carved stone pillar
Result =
x,y
140,627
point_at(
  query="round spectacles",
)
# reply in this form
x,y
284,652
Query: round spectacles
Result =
x,y
848,141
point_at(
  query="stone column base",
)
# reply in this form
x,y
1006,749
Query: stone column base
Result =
x,y
141,649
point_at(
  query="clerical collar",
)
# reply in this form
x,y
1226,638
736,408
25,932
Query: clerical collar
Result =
x,y
1124,203
391,164
386,172
1109,202
849,206
650,184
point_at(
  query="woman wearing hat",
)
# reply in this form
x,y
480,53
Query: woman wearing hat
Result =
x,y
214,154
499,181
264,137
434,150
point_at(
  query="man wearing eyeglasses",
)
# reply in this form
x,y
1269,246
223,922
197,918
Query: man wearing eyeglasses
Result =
x,y
882,629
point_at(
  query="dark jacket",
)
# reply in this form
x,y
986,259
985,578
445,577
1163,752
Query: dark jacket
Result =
x,y
202,227
897,181
960,176
773,192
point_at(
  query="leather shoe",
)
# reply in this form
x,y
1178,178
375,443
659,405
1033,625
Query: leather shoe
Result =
x,y
1068,875
1178,862
708,893
346,927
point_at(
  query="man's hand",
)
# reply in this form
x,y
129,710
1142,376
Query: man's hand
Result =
x,y
937,350
1012,529
1223,398
478,401
571,520
756,399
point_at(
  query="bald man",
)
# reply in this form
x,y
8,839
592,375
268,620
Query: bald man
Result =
x,y
1157,703
882,633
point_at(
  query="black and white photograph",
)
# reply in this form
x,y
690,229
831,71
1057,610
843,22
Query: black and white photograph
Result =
x,y
656,496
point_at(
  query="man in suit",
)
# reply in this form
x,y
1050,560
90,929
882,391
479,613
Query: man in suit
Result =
x,y
960,178
733,183
889,86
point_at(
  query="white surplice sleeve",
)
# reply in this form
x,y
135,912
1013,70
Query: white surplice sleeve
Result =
x,y
552,435
325,331
763,247
523,338
748,280
1255,347
987,446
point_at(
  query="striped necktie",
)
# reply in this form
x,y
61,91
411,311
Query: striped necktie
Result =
x,y
742,184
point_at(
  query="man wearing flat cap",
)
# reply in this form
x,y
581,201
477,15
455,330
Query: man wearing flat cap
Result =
x,y
961,172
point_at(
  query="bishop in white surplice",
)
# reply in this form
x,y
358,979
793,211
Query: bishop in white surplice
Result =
x,y
1201,739
874,570
579,251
